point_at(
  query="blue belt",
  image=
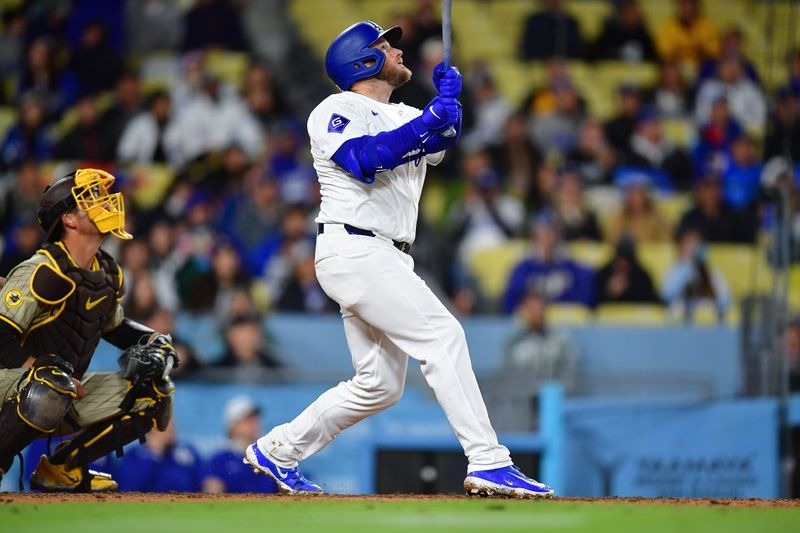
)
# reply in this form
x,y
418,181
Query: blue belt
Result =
x,y
352,230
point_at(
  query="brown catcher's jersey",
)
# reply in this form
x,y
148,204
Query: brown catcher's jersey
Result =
x,y
59,308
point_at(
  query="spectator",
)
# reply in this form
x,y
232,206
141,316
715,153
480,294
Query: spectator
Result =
x,y
141,300
692,282
212,120
491,113
226,473
732,44
741,177
534,347
191,368
228,173
296,177
252,217
152,26
246,356
651,151
213,24
716,137
783,128
516,158
549,270
143,139
12,49
42,76
623,279
211,291
638,218
542,193
746,101
551,33
577,221
302,292
88,140
421,25
28,138
689,38
21,195
264,99
711,217
23,238
593,156
620,128
794,72
276,259
793,353
161,465
95,64
625,36
556,133
126,104
672,97
542,101
485,217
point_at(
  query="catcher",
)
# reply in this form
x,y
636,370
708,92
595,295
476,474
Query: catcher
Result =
x,y
54,309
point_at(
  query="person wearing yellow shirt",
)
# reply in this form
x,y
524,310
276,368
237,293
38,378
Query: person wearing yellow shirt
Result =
x,y
689,38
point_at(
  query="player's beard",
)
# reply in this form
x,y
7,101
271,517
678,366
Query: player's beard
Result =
x,y
395,75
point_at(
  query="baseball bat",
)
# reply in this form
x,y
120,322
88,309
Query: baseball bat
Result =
x,y
446,45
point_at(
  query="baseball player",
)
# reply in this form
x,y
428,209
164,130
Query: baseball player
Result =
x,y
371,157
54,309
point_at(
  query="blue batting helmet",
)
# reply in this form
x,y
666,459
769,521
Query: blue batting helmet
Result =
x,y
348,54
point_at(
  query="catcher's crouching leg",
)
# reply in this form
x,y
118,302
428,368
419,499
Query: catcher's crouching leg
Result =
x,y
107,436
45,394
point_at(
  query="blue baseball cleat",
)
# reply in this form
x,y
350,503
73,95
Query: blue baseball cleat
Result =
x,y
289,480
507,481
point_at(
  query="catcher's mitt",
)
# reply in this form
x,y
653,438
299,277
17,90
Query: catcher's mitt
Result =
x,y
154,359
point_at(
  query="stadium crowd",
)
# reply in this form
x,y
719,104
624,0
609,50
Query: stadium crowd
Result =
x,y
222,196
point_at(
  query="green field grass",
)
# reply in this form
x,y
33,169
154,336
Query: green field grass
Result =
x,y
386,516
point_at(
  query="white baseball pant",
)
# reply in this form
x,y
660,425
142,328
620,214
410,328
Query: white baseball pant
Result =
x,y
389,313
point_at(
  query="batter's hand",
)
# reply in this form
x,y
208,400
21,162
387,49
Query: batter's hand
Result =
x,y
447,82
440,113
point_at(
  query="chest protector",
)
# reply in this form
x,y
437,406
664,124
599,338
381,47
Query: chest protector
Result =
x,y
83,302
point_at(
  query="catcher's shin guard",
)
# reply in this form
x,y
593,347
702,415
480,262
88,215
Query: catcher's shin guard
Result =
x,y
112,435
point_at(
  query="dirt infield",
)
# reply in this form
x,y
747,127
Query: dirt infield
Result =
x,y
138,497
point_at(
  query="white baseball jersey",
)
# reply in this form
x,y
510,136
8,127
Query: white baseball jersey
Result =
x,y
388,206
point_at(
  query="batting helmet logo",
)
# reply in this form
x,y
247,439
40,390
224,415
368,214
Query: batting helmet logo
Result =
x,y
350,58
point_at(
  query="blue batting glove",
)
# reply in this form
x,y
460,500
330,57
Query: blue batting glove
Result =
x,y
450,83
440,113
438,74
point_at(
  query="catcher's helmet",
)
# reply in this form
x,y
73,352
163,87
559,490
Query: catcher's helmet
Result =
x,y
348,54
88,190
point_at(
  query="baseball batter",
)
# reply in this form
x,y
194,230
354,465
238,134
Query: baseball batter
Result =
x,y
371,157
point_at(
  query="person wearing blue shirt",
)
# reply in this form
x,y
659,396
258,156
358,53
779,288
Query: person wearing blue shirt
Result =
x,y
226,472
548,271
160,465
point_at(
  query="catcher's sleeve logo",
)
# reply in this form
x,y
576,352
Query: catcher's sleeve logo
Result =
x,y
337,123
13,298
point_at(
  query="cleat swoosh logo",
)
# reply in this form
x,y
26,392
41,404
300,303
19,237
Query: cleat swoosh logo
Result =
x,y
92,304
280,473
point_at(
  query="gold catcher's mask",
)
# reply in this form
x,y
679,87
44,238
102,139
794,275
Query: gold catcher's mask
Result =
x,y
88,190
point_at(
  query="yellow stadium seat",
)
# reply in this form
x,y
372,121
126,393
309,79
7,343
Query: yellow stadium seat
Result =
x,y
745,268
706,315
794,288
631,314
228,66
8,116
590,253
682,132
673,207
657,258
151,183
492,267
567,314
590,14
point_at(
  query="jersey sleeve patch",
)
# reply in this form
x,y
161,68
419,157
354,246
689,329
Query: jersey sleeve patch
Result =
x,y
337,123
